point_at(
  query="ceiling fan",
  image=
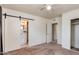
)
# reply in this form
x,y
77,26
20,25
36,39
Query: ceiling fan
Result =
x,y
47,7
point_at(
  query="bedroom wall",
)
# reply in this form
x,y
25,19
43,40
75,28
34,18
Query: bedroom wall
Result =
x,y
13,37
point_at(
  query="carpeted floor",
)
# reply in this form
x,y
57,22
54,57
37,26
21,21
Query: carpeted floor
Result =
x,y
43,49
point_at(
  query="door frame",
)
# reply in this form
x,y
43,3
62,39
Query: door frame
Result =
x,y
73,21
1,42
27,32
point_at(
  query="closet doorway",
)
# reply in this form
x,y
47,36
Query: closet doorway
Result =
x,y
54,32
75,34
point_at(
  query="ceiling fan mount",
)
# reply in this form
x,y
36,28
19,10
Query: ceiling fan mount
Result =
x,y
47,7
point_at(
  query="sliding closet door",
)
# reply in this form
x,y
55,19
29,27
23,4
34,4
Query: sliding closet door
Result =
x,y
49,33
12,33
72,35
15,38
76,35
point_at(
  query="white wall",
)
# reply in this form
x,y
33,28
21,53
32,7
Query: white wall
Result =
x,y
66,27
37,31
58,20
13,37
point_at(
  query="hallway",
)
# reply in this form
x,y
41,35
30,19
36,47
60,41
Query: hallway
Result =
x,y
43,49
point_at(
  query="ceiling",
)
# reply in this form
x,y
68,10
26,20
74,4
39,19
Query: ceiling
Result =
x,y
57,9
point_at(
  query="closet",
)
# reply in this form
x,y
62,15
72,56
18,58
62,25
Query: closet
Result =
x,y
75,34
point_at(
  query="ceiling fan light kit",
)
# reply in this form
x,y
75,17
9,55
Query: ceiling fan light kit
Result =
x,y
48,7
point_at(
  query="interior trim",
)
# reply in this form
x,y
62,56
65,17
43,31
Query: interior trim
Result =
x,y
1,42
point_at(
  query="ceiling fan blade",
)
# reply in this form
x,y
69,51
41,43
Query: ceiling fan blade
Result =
x,y
42,8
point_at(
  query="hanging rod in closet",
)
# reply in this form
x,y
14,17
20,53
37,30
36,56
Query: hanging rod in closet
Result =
x,y
20,17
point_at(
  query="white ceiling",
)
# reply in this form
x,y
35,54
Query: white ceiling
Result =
x,y
34,9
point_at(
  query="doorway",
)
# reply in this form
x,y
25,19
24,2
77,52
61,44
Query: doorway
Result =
x,y
75,34
25,28
54,32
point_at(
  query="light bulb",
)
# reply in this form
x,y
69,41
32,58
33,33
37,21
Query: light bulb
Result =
x,y
48,7
21,28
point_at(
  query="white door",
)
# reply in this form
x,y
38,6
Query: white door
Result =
x,y
14,36
49,32
76,36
